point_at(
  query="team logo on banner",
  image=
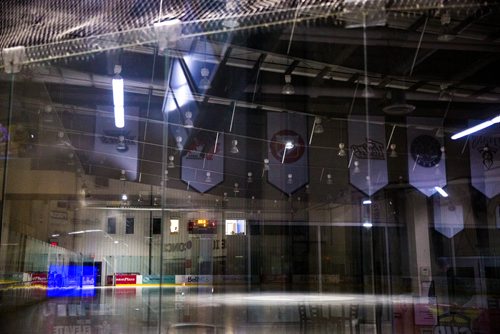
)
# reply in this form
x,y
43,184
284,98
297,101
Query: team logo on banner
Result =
x,y
484,155
368,169
426,161
288,152
279,149
117,146
202,163
448,218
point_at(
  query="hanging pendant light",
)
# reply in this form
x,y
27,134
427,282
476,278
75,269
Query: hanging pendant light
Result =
x,y
122,145
205,82
170,163
329,179
393,153
342,152
288,88
178,140
356,167
188,122
318,127
266,165
208,177
234,147
231,22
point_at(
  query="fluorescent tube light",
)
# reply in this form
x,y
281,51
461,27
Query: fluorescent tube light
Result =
x,y
476,128
118,102
89,231
367,224
367,201
441,191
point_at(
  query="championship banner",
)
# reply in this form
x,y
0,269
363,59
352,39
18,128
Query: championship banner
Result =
x,y
287,151
202,162
118,146
368,159
448,218
484,155
426,156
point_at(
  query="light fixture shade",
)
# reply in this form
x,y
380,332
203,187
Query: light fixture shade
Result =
x,y
188,122
266,164
208,177
342,152
122,145
205,82
230,21
234,147
393,153
318,128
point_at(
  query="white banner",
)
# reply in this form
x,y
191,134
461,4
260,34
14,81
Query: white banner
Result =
x,y
426,155
368,159
484,155
448,218
287,151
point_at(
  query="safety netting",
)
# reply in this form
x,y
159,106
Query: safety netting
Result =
x,y
53,29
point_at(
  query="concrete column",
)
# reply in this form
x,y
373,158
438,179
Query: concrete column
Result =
x,y
417,218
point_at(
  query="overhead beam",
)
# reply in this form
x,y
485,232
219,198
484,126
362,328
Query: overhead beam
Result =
x,y
320,76
470,20
257,66
416,86
226,56
389,37
483,91
417,23
292,67
384,82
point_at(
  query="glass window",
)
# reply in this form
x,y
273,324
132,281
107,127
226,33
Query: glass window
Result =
x,y
111,225
174,225
129,225
335,166
156,225
235,226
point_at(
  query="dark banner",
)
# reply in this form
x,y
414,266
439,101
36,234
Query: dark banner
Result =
x,y
287,151
117,145
202,163
368,163
426,156
484,155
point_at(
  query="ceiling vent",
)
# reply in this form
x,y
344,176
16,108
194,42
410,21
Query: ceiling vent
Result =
x,y
397,104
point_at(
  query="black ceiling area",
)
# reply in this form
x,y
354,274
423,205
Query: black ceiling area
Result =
x,y
388,58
